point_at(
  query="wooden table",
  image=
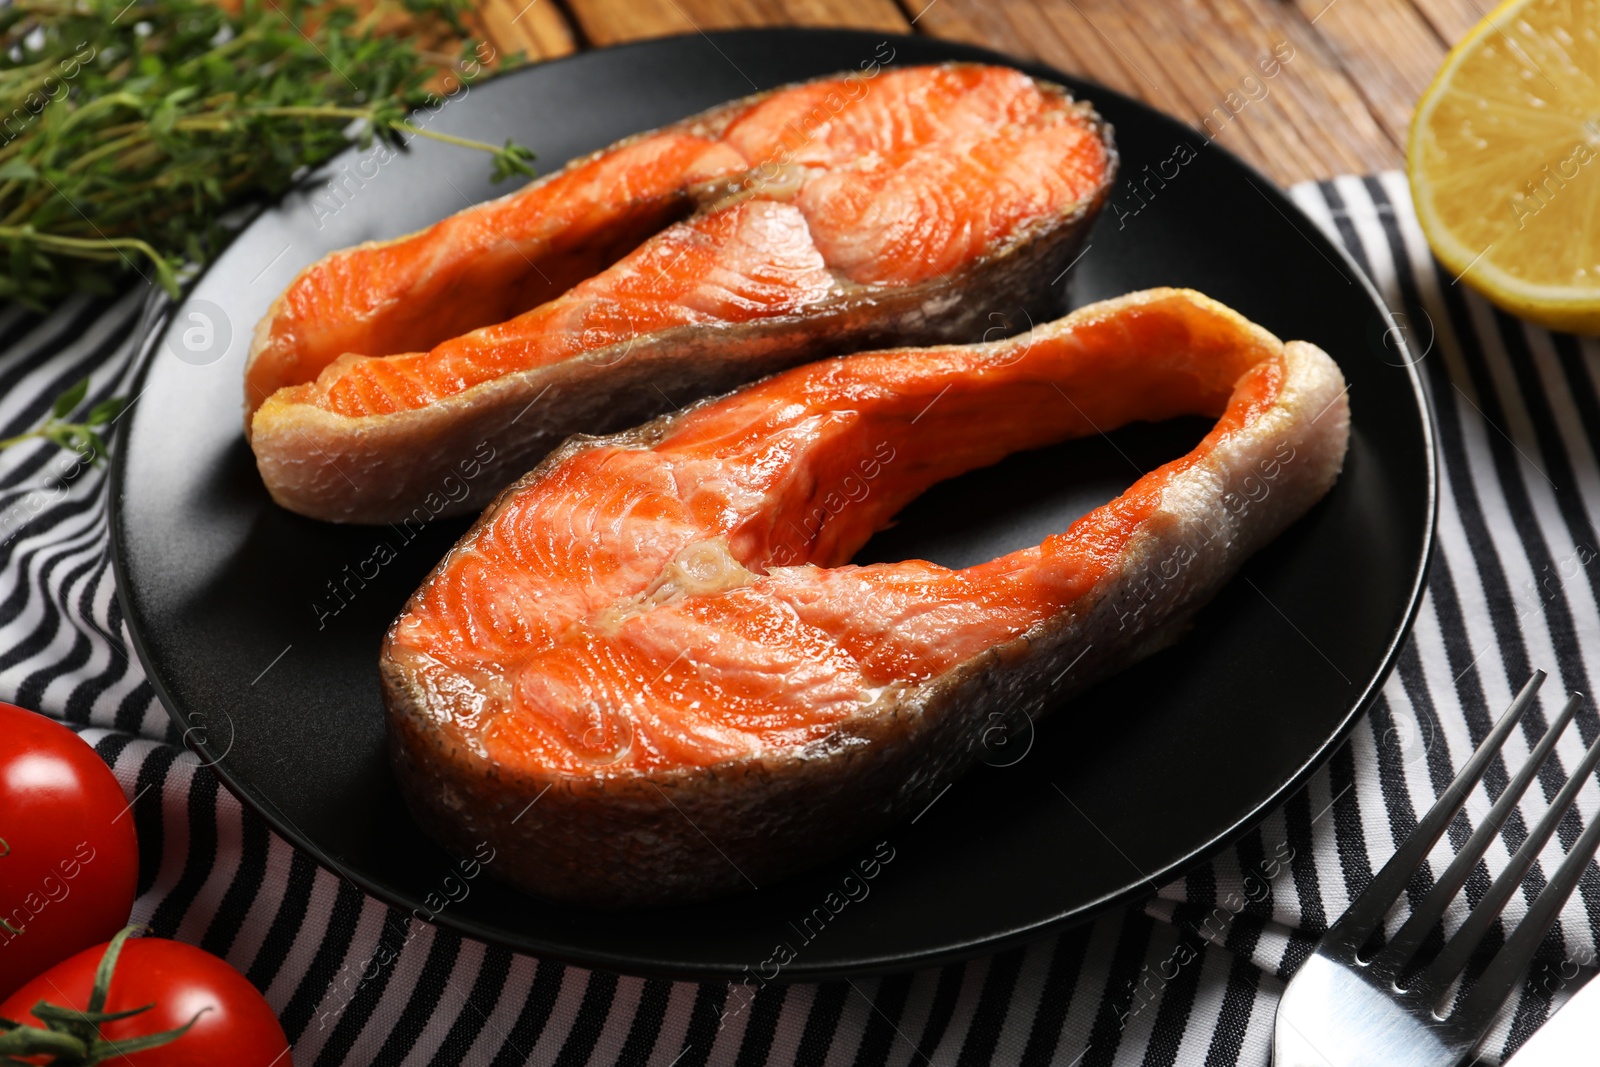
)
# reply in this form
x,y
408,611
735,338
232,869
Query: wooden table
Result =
x,y
1340,102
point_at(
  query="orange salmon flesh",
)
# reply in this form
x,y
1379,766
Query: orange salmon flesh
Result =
x,y
909,176
637,605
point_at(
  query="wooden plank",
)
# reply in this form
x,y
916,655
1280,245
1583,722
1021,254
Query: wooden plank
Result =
x,y
1451,19
1204,61
538,30
1389,50
535,28
605,22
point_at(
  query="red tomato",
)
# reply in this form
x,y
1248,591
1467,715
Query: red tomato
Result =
x,y
237,1027
68,861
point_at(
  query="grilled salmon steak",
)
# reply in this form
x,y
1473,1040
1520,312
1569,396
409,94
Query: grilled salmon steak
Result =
x,y
649,673
923,205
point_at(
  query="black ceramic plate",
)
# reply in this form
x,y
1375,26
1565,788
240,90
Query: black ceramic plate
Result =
x,y
229,600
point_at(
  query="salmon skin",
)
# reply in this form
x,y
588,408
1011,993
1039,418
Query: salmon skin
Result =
x,y
924,205
649,673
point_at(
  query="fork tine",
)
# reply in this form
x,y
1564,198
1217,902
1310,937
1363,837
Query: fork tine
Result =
x,y
1363,916
1494,985
1449,963
1398,952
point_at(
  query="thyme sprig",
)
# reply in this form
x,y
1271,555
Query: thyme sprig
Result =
x,y
82,437
130,133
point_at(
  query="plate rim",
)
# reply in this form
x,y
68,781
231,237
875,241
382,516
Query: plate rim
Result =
x,y
158,321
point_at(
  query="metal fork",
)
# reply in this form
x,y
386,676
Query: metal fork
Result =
x,y
1340,1010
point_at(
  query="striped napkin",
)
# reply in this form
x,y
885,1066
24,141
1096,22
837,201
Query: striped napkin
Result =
x,y
1190,977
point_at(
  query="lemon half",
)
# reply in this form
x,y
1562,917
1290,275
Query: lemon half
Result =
x,y
1504,157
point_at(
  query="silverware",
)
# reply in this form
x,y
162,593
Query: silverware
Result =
x,y
1392,1010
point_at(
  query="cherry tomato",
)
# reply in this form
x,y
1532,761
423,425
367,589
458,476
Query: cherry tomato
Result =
x,y
235,1025
68,858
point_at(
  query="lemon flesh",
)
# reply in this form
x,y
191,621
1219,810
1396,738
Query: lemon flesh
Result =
x,y
1504,157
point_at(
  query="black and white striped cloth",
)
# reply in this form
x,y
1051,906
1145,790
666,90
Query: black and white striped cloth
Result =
x,y
1190,977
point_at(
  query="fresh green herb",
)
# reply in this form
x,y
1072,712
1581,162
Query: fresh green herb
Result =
x,y
131,132
81,437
